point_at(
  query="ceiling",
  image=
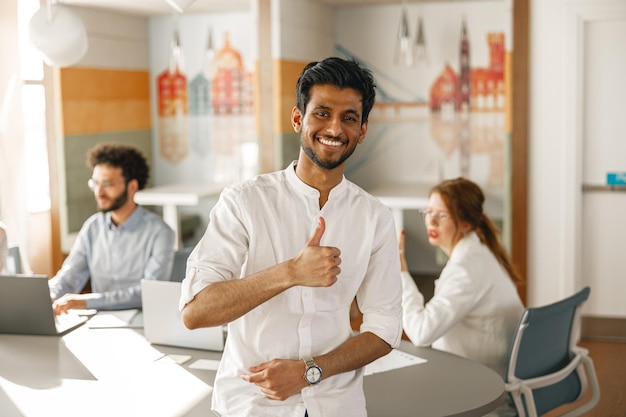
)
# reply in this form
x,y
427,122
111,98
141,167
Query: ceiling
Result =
x,y
156,7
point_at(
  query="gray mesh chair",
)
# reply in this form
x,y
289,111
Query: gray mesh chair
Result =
x,y
180,264
14,260
546,369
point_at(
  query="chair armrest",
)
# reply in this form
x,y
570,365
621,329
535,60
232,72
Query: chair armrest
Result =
x,y
553,378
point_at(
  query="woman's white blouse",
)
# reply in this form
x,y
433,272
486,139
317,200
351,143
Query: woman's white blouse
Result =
x,y
474,310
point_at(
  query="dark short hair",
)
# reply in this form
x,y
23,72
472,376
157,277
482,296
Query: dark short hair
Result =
x,y
341,73
131,160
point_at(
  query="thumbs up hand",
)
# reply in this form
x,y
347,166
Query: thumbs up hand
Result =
x,y
315,265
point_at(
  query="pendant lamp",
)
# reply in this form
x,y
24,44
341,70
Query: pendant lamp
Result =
x,y
404,47
180,5
59,34
421,54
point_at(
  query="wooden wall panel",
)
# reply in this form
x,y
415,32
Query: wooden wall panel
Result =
x,y
286,75
104,100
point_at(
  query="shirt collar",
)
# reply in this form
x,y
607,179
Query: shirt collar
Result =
x,y
470,239
305,189
131,223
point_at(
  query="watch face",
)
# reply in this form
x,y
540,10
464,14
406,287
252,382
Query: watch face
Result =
x,y
313,374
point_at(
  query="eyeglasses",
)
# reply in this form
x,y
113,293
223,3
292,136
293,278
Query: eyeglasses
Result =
x,y
93,184
432,215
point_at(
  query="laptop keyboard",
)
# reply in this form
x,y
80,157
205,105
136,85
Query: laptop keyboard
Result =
x,y
66,320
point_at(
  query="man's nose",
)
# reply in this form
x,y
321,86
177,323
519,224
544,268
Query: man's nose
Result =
x,y
333,127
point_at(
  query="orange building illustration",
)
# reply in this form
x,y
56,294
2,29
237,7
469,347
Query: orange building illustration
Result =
x,y
232,89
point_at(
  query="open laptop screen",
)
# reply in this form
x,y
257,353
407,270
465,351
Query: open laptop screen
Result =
x,y
26,307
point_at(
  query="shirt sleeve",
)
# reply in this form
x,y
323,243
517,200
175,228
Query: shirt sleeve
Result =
x,y
74,272
221,252
456,294
380,295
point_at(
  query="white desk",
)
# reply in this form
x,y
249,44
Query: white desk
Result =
x,y
174,195
402,196
112,372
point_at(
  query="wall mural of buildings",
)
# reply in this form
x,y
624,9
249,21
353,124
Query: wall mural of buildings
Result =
x,y
442,116
203,79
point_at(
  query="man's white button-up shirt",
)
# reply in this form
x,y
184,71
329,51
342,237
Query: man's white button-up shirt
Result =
x,y
267,220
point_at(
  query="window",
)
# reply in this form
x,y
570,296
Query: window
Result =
x,y
35,153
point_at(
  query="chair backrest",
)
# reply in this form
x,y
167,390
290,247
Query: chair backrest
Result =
x,y
544,344
14,260
180,264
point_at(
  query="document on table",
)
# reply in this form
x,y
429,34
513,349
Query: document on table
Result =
x,y
206,364
393,360
121,318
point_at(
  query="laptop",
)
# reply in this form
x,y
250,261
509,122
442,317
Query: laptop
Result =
x,y
162,324
26,307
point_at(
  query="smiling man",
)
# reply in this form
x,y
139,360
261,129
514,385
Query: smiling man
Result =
x,y
286,253
119,246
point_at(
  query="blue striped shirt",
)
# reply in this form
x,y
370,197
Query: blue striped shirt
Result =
x,y
116,258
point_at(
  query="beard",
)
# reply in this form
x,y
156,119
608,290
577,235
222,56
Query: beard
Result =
x,y
327,164
116,204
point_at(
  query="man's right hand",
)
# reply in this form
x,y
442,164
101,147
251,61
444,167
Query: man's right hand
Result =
x,y
69,302
316,265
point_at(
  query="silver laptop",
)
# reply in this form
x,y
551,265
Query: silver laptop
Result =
x,y
163,325
26,307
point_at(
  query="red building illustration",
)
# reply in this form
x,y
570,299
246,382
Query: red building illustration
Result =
x,y
444,91
475,89
488,89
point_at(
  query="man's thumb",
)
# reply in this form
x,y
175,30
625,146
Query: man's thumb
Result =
x,y
317,234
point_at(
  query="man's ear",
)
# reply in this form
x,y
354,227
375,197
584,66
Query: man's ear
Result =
x,y
296,120
133,185
363,132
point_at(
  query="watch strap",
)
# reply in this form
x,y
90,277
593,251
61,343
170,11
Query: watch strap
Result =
x,y
308,364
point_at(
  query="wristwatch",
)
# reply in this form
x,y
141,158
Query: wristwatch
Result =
x,y
312,372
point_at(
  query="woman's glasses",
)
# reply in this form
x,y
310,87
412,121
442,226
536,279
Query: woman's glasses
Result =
x,y
435,216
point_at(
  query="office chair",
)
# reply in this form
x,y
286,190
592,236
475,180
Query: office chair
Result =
x,y
14,260
546,369
180,264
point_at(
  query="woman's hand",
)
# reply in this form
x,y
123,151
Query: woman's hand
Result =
x,y
403,265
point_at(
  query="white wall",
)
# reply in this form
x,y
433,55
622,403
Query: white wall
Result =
x,y
558,44
116,40
302,30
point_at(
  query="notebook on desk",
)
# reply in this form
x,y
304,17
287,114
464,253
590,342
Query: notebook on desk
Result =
x,y
26,307
163,325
